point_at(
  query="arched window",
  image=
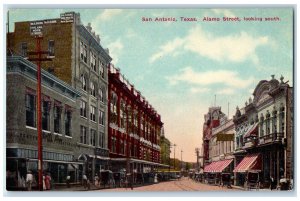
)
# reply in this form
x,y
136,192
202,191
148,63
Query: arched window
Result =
x,y
93,90
268,123
83,82
261,126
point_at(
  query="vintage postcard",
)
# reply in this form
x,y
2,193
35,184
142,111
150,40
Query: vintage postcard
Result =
x,y
150,100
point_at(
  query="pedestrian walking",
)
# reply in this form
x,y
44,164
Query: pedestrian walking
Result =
x,y
96,180
48,181
131,177
84,181
44,184
29,180
68,179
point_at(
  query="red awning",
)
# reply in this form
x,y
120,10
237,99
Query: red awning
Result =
x,y
223,164
217,166
249,162
252,131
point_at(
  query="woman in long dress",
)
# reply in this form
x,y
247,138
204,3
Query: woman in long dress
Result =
x,y
48,181
44,185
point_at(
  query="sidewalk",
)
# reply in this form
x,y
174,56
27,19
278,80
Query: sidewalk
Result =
x,y
79,187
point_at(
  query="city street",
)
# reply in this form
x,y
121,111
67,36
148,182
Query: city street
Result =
x,y
184,184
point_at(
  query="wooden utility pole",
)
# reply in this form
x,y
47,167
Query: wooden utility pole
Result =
x,y
39,59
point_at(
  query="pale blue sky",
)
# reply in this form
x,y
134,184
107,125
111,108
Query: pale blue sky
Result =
x,y
180,66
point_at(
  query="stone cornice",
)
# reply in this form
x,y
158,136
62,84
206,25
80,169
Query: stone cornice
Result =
x,y
93,42
17,64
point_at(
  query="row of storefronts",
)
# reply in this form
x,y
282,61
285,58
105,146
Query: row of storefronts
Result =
x,y
258,139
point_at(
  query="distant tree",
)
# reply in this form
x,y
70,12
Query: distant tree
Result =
x,y
188,166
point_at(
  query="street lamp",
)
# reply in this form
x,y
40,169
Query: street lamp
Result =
x,y
174,154
181,160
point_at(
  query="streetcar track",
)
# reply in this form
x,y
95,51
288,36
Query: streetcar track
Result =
x,y
183,187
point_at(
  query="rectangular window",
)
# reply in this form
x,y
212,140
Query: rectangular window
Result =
x,y
101,69
30,110
93,137
83,52
101,117
45,115
82,108
92,113
24,50
68,121
57,119
101,94
51,47
93,61
82,134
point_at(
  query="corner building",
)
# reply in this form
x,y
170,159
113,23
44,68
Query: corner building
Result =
x,y
134,127
78,59
60,134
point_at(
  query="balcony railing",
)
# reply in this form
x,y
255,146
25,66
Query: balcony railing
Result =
x,y
273,137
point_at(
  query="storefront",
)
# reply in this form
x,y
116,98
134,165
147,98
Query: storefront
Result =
x,y
214,170
57,165
251,162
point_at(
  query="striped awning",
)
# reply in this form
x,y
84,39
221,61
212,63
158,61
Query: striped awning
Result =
x,y
249,162
252,131
217,166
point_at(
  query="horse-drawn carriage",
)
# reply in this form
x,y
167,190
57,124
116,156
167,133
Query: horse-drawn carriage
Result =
x,y
107,178
226,180
252,180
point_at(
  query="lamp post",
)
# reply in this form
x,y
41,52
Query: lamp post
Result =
x,y
197,154
174,154
181,160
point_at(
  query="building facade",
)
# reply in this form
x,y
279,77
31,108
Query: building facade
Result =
x,y
134,127
60,117
264,133
77,58
221,145
211,120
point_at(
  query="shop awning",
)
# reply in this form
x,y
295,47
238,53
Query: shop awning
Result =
x,y
217,166
103,158
252,131
249,162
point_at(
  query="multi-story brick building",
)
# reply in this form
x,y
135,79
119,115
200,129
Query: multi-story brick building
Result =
x,y
134,127
78,59
60,133
264,133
